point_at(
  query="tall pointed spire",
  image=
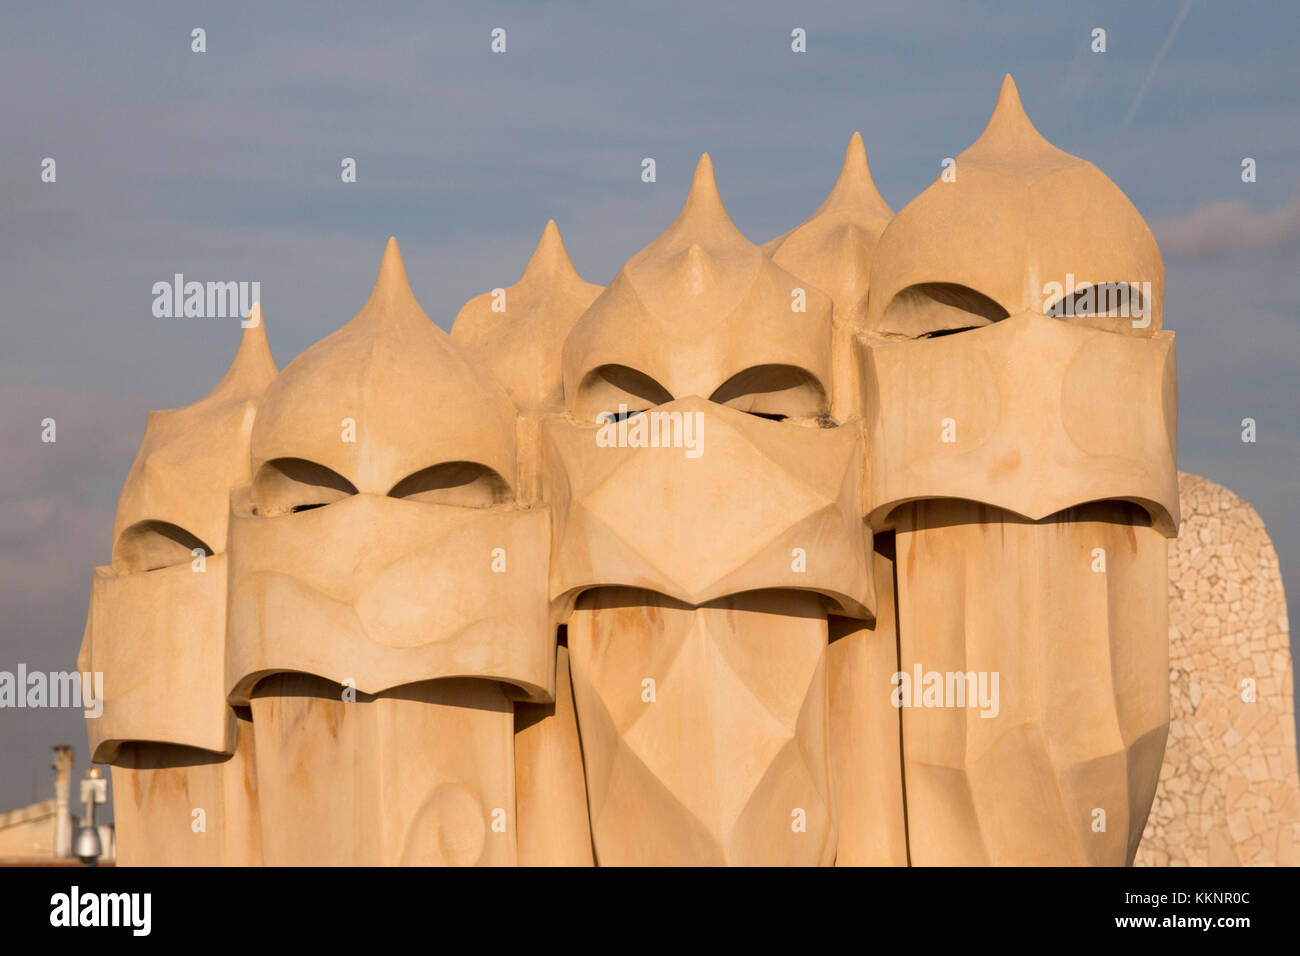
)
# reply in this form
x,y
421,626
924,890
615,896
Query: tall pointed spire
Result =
x,y
855,187
832,248
192,456
522,345
703,216
391,297
702,254
253,366
1010,135
854,201
550,259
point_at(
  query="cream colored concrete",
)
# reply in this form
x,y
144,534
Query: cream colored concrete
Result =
x,y
725,756
701,312
380,554
157,789
866,733
1027,463
832,249
156,628
750,487
1063,767
514,334
1018,213
550,787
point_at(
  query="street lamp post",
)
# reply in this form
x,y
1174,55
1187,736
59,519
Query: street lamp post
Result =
x,y
94,791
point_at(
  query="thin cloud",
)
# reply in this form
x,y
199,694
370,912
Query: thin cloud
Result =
x,y
1155,64
1225,227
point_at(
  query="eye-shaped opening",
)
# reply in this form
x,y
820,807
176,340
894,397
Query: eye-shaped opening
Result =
x,y
1093,303
465,484
150,545
930,309
606,389
776,392
288,485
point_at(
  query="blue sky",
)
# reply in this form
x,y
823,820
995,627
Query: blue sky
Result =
x,y
225,165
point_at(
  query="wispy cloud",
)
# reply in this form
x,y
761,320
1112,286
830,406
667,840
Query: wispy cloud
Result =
x,y
1226,227
1155,64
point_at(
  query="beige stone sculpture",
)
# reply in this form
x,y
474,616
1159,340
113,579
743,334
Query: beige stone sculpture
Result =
x,y
643,574
1026,462
157,631
385,593
709,524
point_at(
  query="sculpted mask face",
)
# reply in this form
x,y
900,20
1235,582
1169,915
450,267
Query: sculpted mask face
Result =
x,y
379,552
1019,396
697,475
156,627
